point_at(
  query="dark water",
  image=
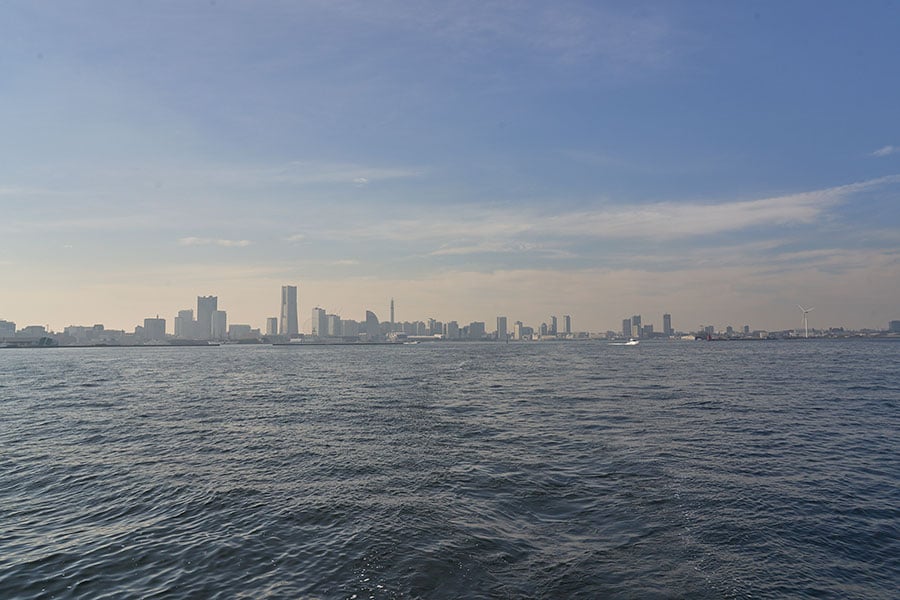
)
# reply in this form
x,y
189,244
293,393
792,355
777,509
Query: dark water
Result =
x,y
580,470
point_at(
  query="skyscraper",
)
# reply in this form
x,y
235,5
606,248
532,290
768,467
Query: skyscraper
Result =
x,y
501,329
626,327
567,324
667,324
289,322
553,329
206,306
392,314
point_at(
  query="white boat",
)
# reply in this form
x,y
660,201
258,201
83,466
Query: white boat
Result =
x,y
632,342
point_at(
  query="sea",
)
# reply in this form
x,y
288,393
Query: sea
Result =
x,y
766,469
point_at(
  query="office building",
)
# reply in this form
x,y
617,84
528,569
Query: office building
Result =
x,y
567,324
319,323
636,326
333,324
502,332
626,327
272,326
218,325
553,329
477,330
206,306
185,325
289,321
155,329
667,324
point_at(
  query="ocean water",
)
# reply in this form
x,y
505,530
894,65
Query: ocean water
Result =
x,y
569,470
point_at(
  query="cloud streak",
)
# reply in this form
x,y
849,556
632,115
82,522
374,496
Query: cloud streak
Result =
x,y
657,221
201,241
886,151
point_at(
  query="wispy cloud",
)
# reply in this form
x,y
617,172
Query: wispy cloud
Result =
x,y
500,247
199,241
297,237
886,151
658,221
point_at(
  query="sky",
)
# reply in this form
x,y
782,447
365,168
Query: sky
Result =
x,y
722,162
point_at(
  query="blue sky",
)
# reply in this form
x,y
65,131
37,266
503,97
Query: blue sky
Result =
x,y
720,162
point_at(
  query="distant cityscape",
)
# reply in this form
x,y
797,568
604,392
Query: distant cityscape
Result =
x,y
209,325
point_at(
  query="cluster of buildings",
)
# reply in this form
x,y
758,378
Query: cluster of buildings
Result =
x,y
209,324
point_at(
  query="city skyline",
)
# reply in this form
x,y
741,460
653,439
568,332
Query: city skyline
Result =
x,y
721,163
214,324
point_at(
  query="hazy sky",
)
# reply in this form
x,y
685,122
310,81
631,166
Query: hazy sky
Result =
x,y
719,161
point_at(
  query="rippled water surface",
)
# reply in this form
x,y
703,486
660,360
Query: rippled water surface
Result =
x,y
570,470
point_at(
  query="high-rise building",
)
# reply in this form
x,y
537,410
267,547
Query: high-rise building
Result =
x,y
636,324
553,329
155,329
219,325
373,327
333,326
289,321
392,315
476,330
567,324
667,324
272,326
502,331
894,326
319,322
626,327
184,324
517,330
206,306
451,330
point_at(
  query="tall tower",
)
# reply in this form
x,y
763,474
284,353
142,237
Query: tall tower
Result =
x,y
567,324
667,324
289,325
206,306
392,314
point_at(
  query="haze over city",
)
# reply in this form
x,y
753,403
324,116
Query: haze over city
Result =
x,y
469,159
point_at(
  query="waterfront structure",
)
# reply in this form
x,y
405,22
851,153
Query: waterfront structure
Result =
x,y
392,314
476,330
155,329
894,326
553,329
289,321
206,306
667,324
626,327
218,325
319,323
567,324
502,332
272,326
451,330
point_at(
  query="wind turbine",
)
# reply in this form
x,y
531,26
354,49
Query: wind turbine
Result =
x,y
806,311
